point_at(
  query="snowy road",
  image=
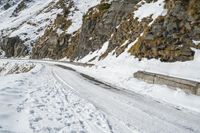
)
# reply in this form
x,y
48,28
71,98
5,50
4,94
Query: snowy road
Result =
x,y
51,99
133,111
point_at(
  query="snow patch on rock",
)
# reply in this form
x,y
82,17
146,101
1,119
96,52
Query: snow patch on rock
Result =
x,y
77,12
94,56
196,42
147,9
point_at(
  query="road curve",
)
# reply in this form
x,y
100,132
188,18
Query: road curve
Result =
x,y
130,110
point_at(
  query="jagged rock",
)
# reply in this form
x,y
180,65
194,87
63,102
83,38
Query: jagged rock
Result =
x,y
53,44
6,6
170,37
13,47
98,25
20,6
150,36
104,24
188,27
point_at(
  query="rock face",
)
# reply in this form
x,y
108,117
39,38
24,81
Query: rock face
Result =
x,y
98,25
170,37
13,47
28,19
100,22
53,44
54,41
23,4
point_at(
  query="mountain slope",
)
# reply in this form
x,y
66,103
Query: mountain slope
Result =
x,y
145,29
27,19
72,29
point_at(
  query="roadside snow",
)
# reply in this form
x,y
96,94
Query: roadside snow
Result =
x,y
119,71
7,68
37,102
12,95
52,99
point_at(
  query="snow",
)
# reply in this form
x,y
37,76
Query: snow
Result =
x,y
52,99
126,42
95,55
77,12
128,111
11,95
49,99
34,8
119,71
31,22
59,31
154,8
15,68
37,101
33,32
196,42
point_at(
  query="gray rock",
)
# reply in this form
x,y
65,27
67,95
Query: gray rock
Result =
x,y
101,29
187,26
149,36
171,27
13,47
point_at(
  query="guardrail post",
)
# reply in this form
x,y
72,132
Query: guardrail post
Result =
x,y
198,90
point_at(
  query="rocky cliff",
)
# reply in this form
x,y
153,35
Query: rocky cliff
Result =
x,y
168,30
170,37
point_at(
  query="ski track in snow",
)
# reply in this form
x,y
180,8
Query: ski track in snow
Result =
x,y
38,102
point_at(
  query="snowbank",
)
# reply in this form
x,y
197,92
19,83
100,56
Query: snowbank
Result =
x,y
119,72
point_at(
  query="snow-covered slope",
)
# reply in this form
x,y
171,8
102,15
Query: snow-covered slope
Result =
x,y
29,19
30,22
